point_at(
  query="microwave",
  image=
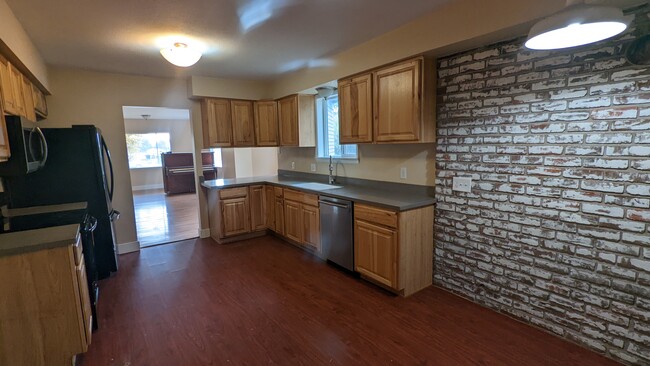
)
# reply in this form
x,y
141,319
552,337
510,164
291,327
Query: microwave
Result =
x,y
27,146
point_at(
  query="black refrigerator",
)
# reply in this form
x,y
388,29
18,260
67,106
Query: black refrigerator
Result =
x,y
78,168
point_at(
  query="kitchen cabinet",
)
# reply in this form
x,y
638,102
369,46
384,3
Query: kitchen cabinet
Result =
x,y
229,214
258,207
11,82
40,103
270,207
5,151
236,217
217,122
297,120
28,98
279,210
390,104
48,318
302,218
16,79
243,126
355,109
266,123
394,249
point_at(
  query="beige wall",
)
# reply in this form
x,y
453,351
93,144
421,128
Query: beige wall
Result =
x,y
227,88
255,162
15,37
180,132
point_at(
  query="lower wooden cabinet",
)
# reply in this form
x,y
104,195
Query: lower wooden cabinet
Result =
x,y
293,220
270,207
47,320
236,216
258,207
229,213
311,227
302,219
394,249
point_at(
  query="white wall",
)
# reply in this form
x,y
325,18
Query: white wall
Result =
x,y
254,162
180,132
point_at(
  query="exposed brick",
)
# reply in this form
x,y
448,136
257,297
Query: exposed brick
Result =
x,y
602,210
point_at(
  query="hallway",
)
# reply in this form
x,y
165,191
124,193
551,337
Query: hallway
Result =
x,y
162,218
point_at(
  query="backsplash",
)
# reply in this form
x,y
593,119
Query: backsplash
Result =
x,y
556,229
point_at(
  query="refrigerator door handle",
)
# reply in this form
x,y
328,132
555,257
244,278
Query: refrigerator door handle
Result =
x,y
110,166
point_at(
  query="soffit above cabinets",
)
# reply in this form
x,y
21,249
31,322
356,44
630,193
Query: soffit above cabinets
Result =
x,y
248,39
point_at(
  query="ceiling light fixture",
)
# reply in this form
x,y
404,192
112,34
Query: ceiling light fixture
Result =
x,y
180,54
577,24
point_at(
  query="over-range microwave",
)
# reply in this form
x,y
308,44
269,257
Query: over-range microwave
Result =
x,y
27,145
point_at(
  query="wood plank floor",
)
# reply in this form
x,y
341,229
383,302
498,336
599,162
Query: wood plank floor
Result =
x,y
162,218
264,302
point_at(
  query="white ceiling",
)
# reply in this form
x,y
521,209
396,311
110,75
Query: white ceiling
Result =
x,y
252,39
155,113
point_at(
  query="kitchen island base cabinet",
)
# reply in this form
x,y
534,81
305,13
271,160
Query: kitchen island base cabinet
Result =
x,y
394,249
229,213
47,320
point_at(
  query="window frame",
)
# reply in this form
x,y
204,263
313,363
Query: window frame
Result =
x,y
159,150
322,134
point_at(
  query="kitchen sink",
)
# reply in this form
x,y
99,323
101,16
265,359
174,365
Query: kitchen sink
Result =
x,y
316,186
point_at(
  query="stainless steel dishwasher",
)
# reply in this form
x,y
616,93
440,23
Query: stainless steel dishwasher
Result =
x,y
336,231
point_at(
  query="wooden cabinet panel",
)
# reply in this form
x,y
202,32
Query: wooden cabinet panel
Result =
x,y
233,192
235,216
375,254
279,215
288,120
266,123
40,103
293,221
297,120
311,227
217,122
258,208
8,97
17,85
397,102
243,126
5,150
376,215
270,207
28,98
355,109
87,316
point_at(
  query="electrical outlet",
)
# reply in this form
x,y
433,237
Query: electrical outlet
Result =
x,y
462,184
293,165
313,167
402,172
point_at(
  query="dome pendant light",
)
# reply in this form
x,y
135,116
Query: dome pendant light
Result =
x,y
180,54
577,24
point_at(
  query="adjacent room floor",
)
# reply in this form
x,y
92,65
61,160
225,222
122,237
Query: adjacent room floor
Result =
x,y
264,302
162,218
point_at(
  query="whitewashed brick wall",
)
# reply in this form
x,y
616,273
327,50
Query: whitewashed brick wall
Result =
x,y
556,230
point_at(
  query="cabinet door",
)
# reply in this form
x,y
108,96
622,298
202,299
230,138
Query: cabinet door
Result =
x,y
17,85
5,151
293,220
355,109
217,125
236,216
7,88
311,227
270,207
375,252
243,126
279,216
288,120
28,98
258,208
40,104
397,102
266,123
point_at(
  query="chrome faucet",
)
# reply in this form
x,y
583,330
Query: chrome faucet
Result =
x,y
331,178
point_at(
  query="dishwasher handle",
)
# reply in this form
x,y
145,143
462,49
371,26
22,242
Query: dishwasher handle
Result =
x,y
334,204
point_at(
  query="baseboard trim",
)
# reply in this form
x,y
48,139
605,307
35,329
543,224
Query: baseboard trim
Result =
x,y
131,247
204,233
146,187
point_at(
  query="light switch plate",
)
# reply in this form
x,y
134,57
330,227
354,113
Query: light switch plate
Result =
x,y
313,167
402,172
462,184
293,165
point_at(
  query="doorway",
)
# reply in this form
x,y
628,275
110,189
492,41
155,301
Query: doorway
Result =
x,y
160,146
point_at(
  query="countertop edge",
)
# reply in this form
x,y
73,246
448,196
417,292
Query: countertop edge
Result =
x,y
69,239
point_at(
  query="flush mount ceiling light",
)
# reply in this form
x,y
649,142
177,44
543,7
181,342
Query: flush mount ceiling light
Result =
x,y
578,24
180,54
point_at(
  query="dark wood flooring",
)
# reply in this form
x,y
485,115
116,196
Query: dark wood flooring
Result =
x,y
161,218
264,302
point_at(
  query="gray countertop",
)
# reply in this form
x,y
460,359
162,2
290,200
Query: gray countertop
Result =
x,y
391,198
37,210
34,240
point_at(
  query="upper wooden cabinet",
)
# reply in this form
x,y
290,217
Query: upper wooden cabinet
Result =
x,y
217,125
402,100
5,151
243,126
40,104
266,123
28,98
355,109
297,120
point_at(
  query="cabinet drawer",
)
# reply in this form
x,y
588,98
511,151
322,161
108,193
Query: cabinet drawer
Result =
x,y
78,251
278,192
292,195
233,192
375,215
310,199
